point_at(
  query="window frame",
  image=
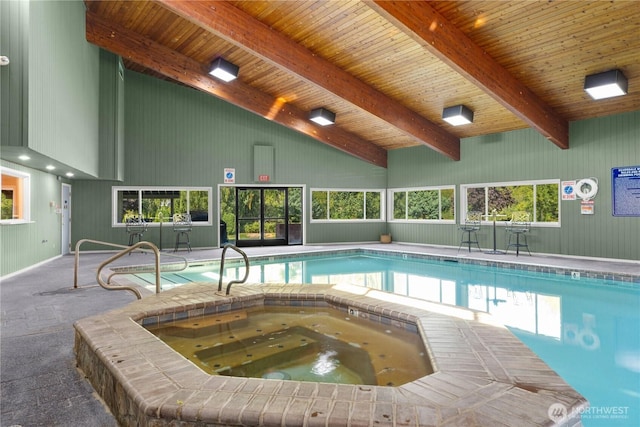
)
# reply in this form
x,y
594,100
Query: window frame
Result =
x,y
24,193
328,191
115,208
485,220
391,196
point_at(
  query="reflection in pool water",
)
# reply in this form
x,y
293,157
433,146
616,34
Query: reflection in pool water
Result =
x,y
320,344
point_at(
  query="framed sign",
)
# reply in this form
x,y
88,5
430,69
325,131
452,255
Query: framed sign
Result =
x,y
625,191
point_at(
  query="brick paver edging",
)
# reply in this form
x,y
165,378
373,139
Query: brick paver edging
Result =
x,y
483,375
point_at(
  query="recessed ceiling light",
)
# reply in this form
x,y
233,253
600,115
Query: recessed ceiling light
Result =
x,y
50,167
24,157
69,174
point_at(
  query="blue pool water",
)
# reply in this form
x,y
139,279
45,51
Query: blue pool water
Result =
x,y
587,330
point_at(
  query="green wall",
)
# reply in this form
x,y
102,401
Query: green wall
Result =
x,y
177,136
597,145
64,84
49,109
24,245
14,28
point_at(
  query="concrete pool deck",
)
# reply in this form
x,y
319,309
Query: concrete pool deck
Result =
x,y
483,375
39,382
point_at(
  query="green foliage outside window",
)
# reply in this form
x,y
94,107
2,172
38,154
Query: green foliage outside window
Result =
x,y
156,205
399,205
539,199
373,205
547,208
228,210
7,205
424,204
319,204
295,205
249,209
346,205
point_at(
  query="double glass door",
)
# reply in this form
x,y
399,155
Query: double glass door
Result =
x,y
266,216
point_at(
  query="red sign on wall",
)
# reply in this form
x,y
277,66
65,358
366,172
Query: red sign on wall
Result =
x,y
263,178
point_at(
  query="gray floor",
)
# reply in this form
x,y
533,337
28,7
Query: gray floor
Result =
x,y
40,385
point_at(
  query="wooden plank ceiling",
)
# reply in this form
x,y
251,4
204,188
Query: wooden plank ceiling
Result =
x,y
387,69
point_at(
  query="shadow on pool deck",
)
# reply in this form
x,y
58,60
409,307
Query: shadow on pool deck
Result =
x,y
40,385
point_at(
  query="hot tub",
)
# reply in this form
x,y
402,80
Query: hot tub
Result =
x,y
320,343
482,374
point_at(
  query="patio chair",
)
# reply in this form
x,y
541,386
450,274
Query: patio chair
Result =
x,y
182,228
136,227
470,230
518,226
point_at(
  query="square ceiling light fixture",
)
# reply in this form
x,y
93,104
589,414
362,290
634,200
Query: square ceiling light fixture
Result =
x,y
322,116
457,115
606,85
224,70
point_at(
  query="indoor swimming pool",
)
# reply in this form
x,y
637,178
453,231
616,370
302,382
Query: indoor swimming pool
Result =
x,y
587,330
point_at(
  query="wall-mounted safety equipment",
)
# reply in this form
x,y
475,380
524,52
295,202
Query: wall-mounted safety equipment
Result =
x,y
586,188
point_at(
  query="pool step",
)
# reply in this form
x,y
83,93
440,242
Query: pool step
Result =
x,y
203,326
248,356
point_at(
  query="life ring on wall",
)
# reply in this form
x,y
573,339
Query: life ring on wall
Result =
x,y
586,188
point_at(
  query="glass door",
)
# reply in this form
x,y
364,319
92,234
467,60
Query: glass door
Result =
x,y
261,216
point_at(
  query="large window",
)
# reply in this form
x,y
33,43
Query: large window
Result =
x,y
15,196
423,204
158,204
540,198
347,205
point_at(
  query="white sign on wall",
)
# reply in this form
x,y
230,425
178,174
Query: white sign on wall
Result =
x,y
568,190
229,175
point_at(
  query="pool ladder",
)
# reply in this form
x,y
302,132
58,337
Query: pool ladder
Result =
x,y
126,250
246,270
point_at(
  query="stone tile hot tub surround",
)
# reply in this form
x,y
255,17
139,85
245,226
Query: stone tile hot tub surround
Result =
x,y
483,375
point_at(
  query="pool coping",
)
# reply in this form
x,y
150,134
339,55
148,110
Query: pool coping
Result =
x,y
624,280
484,375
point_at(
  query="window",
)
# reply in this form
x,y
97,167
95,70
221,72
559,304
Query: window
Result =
x,y
540,198
15,196
424,204
160,203
347,205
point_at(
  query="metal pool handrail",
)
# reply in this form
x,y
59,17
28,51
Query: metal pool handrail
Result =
x,y
246,263
127,249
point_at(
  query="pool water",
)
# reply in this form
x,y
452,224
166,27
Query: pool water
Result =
x,y
320,344
587,330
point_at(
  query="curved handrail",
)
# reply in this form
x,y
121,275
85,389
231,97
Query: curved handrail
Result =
x,y
77,255
246,263
136,291
127,250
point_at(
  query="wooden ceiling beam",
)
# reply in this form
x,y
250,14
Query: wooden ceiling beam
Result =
x,y
237,27
133,46
444,40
